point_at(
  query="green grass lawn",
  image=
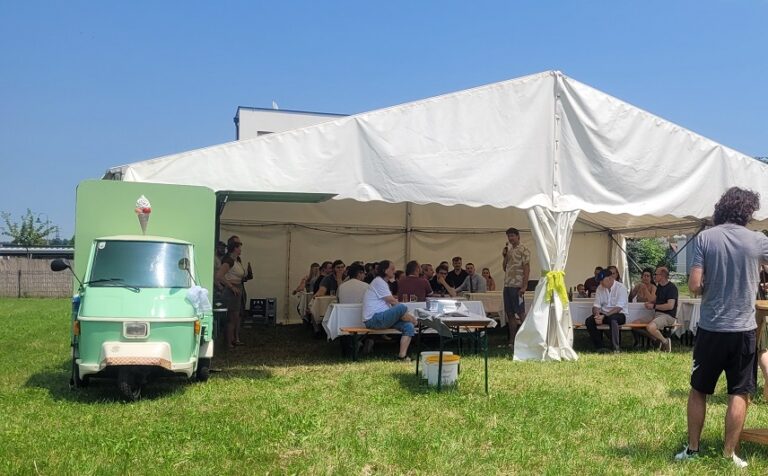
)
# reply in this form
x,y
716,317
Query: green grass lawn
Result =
x,y
288,404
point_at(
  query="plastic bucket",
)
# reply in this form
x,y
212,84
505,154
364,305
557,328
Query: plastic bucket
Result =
x,y
450,369
423,360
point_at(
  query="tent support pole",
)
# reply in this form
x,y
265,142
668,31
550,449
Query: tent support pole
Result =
x,y
674,256
286,287
221,202
408,231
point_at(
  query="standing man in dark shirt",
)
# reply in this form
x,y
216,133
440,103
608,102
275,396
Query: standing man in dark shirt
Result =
x,y
725,269
591,284
665,307
458,275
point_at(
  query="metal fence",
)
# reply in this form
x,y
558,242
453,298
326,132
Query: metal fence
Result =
x,y
34,283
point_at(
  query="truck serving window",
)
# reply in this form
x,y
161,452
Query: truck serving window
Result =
x,y
143,264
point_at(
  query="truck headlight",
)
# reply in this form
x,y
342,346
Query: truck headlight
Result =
x,y
135,330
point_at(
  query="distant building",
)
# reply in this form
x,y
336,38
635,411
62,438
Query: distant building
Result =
x,y
253,122
39,252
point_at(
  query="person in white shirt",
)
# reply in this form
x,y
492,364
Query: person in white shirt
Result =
x,y
611,308
353,289
382,311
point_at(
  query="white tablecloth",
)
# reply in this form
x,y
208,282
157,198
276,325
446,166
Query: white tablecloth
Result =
x,y
319,307
351,315
688,313
303,303
493,301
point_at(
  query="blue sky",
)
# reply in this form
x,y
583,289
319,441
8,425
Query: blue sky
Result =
x,y
89,85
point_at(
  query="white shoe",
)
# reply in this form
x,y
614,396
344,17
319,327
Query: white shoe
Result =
x,y
738,462
686,455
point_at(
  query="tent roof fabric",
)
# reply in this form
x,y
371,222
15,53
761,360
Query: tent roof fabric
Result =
x,y
543,139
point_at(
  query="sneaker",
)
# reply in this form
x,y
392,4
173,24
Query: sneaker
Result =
x,y
686,454
738,462
405,359
668,345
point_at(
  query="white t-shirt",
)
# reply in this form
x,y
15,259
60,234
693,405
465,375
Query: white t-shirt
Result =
x,y
373,300
352,291
614,297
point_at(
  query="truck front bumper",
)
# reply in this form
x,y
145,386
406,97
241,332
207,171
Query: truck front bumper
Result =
x,y
153,354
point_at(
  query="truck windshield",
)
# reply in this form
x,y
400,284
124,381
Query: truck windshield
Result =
x,y
143,264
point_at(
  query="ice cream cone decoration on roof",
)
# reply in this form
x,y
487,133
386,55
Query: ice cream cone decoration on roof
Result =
x,y
143,209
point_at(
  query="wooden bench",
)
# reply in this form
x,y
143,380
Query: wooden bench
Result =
x,y
356,332
632,326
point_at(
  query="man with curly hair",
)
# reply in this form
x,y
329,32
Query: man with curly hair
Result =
x,y
725,268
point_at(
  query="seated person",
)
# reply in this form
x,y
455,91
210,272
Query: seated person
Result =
x,y
615,272
438,283
412,284
326,269
490,283
330,284
352,290
581,291
393,283
427,271
665,306
473,283
308,281
645,291
382,311
611,307
458,275
592,283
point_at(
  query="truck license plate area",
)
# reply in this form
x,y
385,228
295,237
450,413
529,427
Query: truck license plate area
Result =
x,y
135,330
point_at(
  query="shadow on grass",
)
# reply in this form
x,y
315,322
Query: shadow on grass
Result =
x,y
56,381
718,398
295,345
252,373
649,454
411,382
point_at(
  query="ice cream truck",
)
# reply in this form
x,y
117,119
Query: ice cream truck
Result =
x,y
143,265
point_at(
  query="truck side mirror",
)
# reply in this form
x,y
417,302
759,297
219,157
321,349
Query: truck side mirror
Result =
x,y
184,264
59,265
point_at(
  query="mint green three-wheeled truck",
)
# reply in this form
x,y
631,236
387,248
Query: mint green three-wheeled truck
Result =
x,y
143,265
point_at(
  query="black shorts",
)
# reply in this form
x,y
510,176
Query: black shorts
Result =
x,y
512,304
732,352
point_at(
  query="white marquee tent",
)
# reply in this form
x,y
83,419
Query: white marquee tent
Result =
x,y
566,155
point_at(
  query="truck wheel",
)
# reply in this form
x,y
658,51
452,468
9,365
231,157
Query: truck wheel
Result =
x,y
81,382
75,381
203,370
129,384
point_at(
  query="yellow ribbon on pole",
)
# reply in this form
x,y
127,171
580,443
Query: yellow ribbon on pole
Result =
x,y
556,285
